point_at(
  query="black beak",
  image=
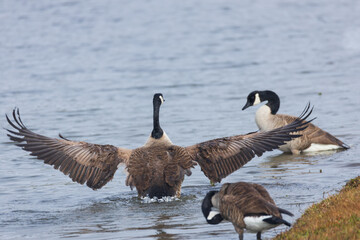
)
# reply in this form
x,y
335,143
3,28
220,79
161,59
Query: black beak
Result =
x,y
248,104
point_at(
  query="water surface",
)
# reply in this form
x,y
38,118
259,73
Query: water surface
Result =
x,y
89,69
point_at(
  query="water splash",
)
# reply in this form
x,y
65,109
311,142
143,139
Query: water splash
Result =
x,y
158,200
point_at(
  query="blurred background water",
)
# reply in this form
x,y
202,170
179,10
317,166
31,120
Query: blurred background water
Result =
x,y
89,69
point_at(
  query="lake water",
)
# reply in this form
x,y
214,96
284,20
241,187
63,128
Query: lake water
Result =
x,y
89,69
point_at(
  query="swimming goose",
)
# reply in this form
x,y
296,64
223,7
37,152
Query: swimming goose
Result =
x,y
158,167
246,205
313,138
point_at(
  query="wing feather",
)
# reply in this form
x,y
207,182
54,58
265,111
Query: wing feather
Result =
x,y
83,162
241,199
220,157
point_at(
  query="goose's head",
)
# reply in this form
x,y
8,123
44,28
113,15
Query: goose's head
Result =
x,y
158,99
257,97
253,99
210,208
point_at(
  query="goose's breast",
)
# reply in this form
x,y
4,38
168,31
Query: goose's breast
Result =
x,y
264,119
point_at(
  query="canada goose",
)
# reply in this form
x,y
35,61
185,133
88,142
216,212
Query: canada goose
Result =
x,y
246,205
158,167
313,138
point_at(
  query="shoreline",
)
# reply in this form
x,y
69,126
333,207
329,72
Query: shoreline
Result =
x,y
336,217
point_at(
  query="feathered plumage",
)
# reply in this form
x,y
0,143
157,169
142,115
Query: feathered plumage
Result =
x,y
246,205
313,138
157,168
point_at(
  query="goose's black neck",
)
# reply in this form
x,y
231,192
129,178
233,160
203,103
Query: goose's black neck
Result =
x,y
157,132
206,209
273,100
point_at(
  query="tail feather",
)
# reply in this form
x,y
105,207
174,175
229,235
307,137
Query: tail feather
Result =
x,y
285,212
276,221
345,146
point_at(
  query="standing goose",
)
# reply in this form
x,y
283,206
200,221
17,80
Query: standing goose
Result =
x,y
313,138
158,167
246,205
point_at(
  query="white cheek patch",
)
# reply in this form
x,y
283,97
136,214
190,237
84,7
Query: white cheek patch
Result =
x,y
162,99
212,214
257,99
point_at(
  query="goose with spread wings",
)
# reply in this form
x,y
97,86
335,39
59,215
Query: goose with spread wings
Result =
x,y
156,169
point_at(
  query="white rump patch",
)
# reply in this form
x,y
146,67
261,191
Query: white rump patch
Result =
x,y
213,213
257,99
315,147
256,224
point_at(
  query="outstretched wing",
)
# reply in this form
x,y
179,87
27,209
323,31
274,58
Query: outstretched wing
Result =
x,y
220,157
83,162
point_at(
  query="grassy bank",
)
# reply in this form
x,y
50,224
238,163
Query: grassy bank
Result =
x,y
337,217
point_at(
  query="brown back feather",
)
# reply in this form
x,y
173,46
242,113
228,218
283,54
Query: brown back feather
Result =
x,y
241,199
162,166
311,134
